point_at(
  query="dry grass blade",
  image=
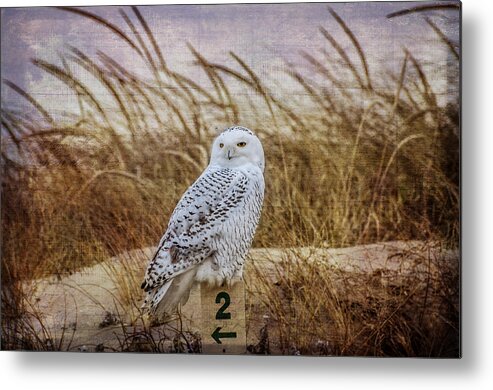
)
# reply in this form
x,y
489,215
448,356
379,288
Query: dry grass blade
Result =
x,y
444,38
251,83
394,154
196,88
12,135
80,89
257,84
86,63
72,82
150,35
135,83
209,70
324,71
146,53
428,93
175,109
313,93
400,84
30,99
217,82
99,20
343,55
198,167
424,8
64,132
73,197
356,44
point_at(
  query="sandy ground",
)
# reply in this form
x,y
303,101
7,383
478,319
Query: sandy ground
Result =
x,y
95,308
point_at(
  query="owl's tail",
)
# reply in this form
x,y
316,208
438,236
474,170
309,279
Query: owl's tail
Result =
x,y
164,301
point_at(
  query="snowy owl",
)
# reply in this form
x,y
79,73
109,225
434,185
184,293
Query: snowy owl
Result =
x,y
212,226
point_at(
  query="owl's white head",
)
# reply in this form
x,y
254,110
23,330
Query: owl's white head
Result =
x,y
237,146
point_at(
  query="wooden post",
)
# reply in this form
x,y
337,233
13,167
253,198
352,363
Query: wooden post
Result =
x,y
223,325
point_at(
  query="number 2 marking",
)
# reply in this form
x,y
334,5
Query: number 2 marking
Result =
x,y
221,315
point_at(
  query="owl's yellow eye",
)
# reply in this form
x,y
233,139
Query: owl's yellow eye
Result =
x,y
241,144
221,145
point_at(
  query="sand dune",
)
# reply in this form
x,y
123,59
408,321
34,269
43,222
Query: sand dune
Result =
x,y
92,307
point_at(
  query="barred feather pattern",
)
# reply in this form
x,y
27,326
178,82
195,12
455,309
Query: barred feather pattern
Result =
x,y
208,235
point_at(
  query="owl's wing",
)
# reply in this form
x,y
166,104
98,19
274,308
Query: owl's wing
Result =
x,y
197,219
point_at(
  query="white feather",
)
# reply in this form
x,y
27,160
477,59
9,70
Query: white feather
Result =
x,y
213,224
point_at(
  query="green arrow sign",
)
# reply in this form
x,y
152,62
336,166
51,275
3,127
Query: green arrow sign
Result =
x,y
218,335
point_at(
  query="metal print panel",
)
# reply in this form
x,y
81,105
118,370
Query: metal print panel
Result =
x,y
257,179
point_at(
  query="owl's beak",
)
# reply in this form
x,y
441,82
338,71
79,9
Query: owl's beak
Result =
x,y
230,154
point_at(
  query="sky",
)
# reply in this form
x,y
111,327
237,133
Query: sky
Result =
x,y
266,36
